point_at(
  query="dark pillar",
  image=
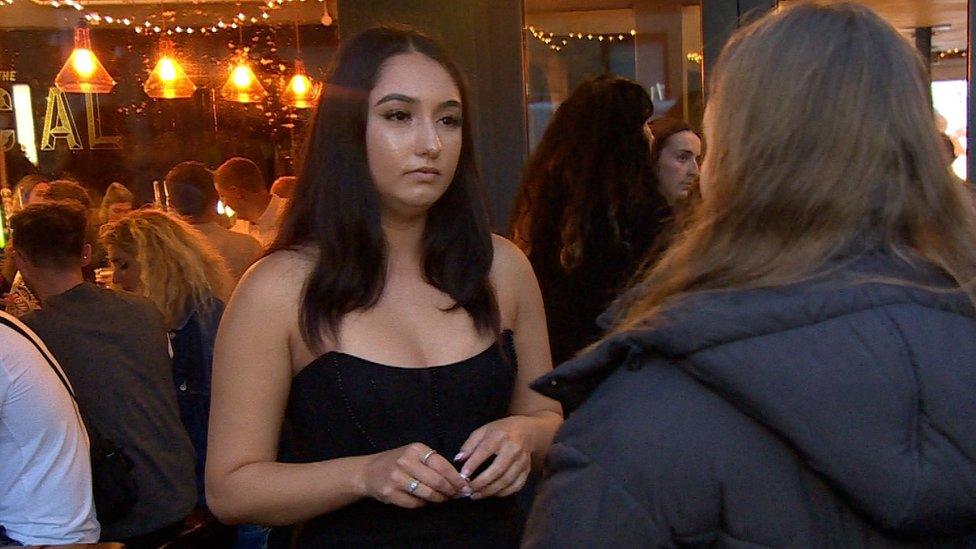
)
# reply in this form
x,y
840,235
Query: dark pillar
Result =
x,y
485,37
750,10
720,18
923,43
971,107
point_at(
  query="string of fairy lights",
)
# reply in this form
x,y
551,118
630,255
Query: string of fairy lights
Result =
x,y
954,53
153,24
556,42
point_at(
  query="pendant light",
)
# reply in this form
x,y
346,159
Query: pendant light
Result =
x,y
242,85
83,72
168,80
300,92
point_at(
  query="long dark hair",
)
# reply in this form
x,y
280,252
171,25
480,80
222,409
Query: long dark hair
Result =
x,y
592,166
335,207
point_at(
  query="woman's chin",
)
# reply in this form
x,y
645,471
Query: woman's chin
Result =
x,y
414,207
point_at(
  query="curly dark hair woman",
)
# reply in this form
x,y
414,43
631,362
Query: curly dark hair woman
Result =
x,y
589,210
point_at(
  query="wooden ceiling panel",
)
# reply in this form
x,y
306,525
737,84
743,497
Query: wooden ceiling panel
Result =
x,y
909,14
903,14
535,6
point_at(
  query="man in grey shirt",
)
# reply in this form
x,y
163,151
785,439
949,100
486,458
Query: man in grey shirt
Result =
x,y
114,349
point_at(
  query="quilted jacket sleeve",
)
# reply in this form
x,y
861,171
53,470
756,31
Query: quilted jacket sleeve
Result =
x,y
580,505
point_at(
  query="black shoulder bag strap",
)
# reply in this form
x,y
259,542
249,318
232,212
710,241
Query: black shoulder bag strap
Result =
x,y
114,491
57,370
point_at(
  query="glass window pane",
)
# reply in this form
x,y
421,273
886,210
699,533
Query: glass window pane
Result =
x,y
655,42
133,133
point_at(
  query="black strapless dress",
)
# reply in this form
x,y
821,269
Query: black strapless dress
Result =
x,y
341,405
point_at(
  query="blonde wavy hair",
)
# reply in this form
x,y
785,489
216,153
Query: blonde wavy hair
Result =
x,y
820,132
180,270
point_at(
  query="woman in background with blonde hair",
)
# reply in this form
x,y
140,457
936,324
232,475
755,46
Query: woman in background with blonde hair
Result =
x,y
161,257
799,368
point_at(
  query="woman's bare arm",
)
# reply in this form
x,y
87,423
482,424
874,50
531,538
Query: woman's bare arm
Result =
x,y
520,441
252,375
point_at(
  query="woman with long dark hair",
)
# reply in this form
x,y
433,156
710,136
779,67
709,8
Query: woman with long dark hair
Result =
x,y
589,208
387,330
799,368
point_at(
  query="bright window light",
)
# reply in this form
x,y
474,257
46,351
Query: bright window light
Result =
x,y
24,117
949,99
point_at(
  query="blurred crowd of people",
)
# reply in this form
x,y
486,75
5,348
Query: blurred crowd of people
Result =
x,y
128,299
773,348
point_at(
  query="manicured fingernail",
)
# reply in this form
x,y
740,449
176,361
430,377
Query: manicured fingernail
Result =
x,y
466,492
459,456
465,475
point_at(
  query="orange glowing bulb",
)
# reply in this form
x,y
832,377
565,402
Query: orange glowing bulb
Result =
x,y
243,86
167,80
241,76
300,85
167,70
83,62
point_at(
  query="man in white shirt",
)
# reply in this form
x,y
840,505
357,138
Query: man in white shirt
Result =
x,y
45,468
191,193
241,186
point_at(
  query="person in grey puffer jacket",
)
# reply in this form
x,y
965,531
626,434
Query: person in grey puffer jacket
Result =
x,y
799,369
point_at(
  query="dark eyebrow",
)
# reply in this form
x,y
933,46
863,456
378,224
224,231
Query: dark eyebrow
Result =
x,y
408,99
396,97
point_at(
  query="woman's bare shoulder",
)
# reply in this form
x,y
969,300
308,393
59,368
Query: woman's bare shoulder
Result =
x,y
512,277
510,262
278,276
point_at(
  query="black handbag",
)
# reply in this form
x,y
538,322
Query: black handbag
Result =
x,y
113,488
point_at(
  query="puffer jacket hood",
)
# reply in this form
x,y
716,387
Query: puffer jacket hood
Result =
x,y
897,441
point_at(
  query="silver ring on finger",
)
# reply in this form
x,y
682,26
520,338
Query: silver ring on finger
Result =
x,y
412,487
427,456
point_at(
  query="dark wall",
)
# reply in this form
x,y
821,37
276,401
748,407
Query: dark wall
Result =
x,y
485,37
720,18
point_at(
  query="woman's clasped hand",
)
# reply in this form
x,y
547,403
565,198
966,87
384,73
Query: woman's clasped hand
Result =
x,y
507,442
413,475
